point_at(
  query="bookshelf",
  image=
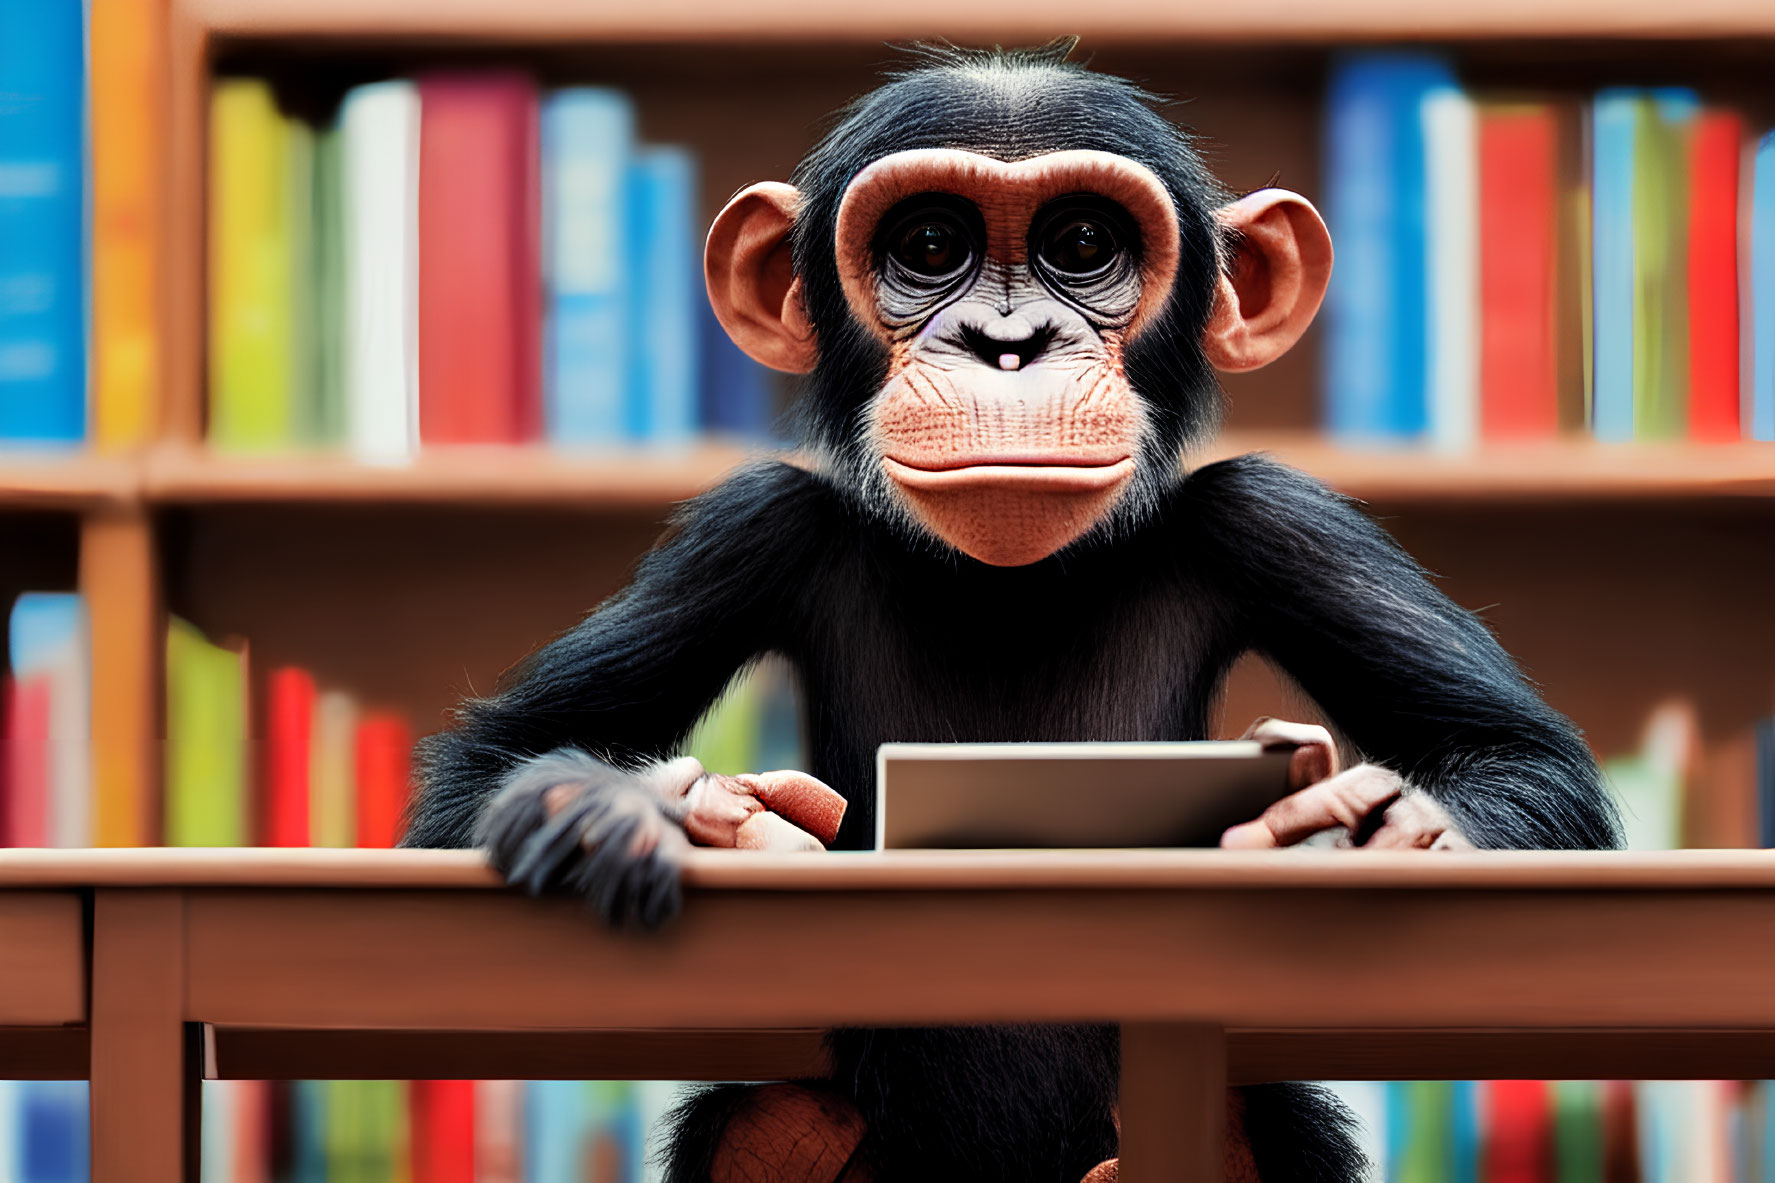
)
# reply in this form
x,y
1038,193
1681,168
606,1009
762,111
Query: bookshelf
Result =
x,y
1618,575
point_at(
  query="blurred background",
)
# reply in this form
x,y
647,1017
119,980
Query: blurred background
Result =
x,y
350,348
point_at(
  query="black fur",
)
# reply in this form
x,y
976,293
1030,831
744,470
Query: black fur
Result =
x,y
1125,635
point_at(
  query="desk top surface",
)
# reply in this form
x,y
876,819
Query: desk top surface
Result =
x,y
1206,870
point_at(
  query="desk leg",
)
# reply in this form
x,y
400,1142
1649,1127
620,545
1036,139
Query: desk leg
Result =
x,y
1173,1106
144,1077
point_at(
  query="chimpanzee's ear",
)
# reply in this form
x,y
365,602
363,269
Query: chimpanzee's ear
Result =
x,y
1273,284
752,283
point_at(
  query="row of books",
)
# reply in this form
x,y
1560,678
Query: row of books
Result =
x,y
1681,789
1516,266
79,221
458,259
1569,1131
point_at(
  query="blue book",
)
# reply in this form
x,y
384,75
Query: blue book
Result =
x,y
42,223
1615,124
42,626
736,391
1377,330
665,287
588,137
52,1132
557,1130
1762,279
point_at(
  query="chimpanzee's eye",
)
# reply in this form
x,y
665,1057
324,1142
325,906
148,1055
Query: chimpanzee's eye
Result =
x,y
1077,247
932,247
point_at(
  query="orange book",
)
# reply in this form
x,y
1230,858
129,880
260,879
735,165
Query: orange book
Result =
x,y
1518,213
480,286
1714,148
126,113
384,750
289,727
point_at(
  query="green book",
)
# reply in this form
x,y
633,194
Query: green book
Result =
x,y
1421,1131
726,739
205,741
1660,265
261,175
365,1130
320,416
1577,1131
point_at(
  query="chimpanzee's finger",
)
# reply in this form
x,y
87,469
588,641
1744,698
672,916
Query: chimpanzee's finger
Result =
x,y
805,800
1315,752
1344,800
1416,822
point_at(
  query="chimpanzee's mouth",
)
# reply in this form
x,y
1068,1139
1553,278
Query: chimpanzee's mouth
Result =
x,y
1055,472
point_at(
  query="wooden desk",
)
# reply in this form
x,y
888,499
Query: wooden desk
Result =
x,y
1221,966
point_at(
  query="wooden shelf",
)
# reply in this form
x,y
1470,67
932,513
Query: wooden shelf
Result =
x,y
631,478
66,482
1570,472
996,21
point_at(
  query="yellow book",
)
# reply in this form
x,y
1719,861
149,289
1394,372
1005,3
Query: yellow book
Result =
x,y
332,801
206,774
255,371
126,116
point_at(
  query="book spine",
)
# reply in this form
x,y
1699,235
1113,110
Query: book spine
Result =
x,y
379,126
443,1131
333,765
735,390
663,269
588,139
1452,234
1518,208
384,747
27,761
206,732
252,350
1377,336
322,415
1616,116
1718,144
289,714
1660,265
126,112
478,321
52,1131
1762,266
43,226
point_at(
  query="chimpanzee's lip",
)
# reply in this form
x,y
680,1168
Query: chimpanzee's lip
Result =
x,y
1054,473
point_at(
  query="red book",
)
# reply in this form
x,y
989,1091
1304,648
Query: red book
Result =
x,y
1518,216
1519,1133
1717,141
289,723
480,285
26,821
384,770
441,1121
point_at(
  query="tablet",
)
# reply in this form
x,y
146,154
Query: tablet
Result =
x,y
997,795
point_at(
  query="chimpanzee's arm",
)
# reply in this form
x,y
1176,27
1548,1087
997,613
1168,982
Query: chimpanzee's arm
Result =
x,y
1417,683
625,686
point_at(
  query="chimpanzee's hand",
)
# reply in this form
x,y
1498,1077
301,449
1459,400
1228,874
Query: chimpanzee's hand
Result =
x,y
571,824
1370,804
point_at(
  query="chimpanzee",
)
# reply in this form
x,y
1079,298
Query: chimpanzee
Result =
x,y
1010,281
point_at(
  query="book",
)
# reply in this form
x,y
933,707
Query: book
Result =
x,y
1762,269
43,226
127,149
333,771
1572,337
255,344
499,1124
289,729
479,287
1519,1135
206,740
588,136
1420,1131
379,147
1376,335
1660,265
1453,231
557,1130
52,1126
736,392
25,818
1715,150
444,1124
321,419
383,772
664,272
1616,117
1577,1131
1518,215
52,781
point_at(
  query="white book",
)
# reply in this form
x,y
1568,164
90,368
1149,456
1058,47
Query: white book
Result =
x,y
380,126
1451,232
70,741
499,1127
